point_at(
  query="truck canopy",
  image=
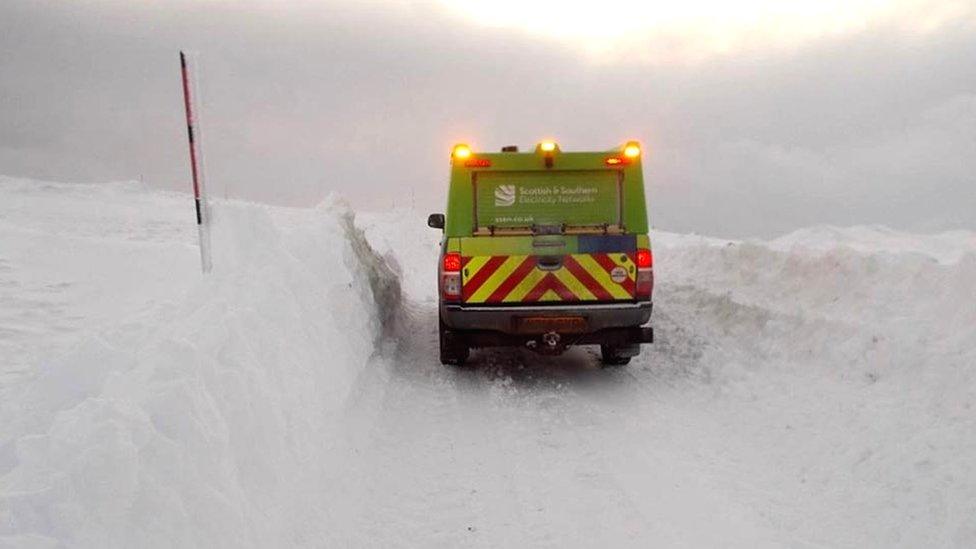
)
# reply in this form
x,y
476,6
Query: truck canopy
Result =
x,y
547,226
545,192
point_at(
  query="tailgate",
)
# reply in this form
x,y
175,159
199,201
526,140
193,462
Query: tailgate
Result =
x,y
527,269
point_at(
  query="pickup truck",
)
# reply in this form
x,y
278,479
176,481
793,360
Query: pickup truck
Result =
x,y
545,250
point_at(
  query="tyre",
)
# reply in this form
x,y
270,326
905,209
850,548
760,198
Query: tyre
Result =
x,y
618,356
453,352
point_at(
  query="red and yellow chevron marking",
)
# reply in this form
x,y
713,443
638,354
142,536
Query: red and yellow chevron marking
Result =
x,y
519,279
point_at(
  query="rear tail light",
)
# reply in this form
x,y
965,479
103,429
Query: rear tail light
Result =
x,y
452,262
645,273
451,285
645,283
644,259
451,276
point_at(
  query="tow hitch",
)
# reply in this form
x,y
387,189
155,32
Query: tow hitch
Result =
x,y
551,339
549,344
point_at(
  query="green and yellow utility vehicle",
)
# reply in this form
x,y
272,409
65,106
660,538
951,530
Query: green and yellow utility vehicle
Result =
x,y
545,249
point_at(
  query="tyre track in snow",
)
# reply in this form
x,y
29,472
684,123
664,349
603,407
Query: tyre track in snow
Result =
x,y
520,448
419,425
645,437
383,436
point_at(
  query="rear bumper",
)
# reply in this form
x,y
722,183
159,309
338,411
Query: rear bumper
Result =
x,y
633,335
503,319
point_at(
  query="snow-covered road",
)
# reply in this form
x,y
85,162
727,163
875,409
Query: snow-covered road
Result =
x,y
793,398
521,450
817,390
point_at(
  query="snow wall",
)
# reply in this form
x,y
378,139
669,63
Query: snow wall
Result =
x,y
206,421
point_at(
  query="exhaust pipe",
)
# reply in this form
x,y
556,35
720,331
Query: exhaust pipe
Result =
x,y
551,339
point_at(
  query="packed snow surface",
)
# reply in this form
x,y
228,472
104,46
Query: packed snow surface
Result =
x,y
813,390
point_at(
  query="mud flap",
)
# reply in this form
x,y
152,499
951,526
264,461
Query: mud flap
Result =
x,y
453,348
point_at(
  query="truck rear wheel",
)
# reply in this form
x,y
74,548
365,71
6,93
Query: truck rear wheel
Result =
x,y
612,355
453,351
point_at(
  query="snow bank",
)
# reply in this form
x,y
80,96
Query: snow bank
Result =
x,y
204,420
75,258
946,247
856,275
841,363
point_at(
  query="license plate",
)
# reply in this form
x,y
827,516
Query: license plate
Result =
x,y
560,324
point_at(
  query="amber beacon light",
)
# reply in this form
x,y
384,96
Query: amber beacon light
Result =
x,y
461,151
632,150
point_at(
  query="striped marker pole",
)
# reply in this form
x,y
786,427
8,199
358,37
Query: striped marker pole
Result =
x,y
196,169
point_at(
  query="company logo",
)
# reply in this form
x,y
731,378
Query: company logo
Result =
x,y
618,274
505,195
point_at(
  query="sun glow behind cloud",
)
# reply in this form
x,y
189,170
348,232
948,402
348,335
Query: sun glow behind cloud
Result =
x,y
669,31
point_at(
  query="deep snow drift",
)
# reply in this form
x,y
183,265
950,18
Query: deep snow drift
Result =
x,y
201,416
813,390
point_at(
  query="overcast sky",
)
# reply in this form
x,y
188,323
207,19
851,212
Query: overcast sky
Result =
x,y
759,117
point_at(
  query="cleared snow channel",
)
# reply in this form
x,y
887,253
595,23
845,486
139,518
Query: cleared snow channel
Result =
x,y
815,390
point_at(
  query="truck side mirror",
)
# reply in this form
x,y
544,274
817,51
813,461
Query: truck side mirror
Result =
x,y
435,221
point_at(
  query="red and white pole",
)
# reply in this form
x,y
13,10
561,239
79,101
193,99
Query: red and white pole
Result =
x,y
196,168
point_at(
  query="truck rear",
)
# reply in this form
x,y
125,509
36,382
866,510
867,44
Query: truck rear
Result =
x,y
545,249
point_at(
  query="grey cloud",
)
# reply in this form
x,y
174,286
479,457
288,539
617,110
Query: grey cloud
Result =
x,y
366,98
